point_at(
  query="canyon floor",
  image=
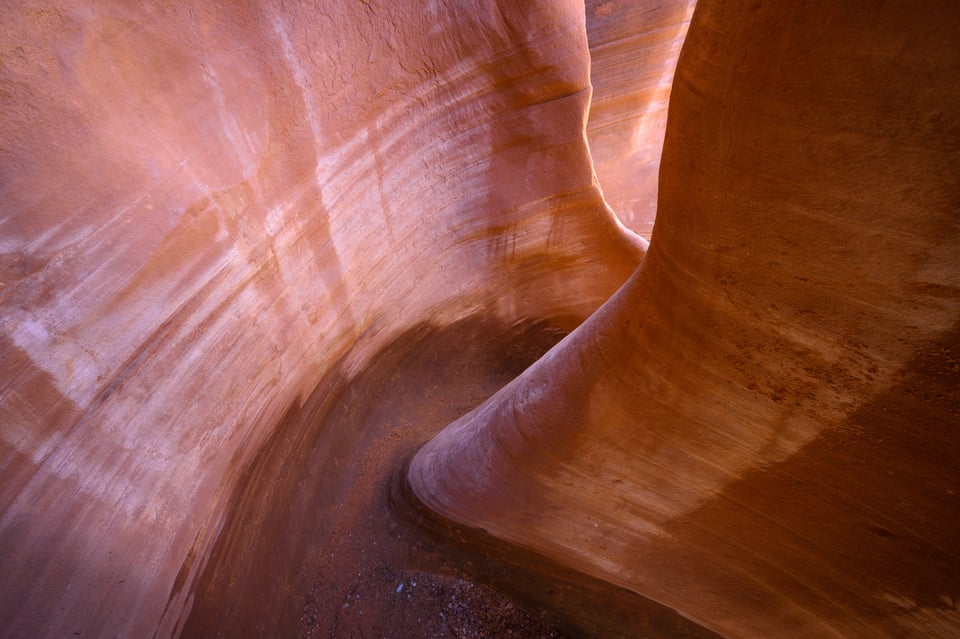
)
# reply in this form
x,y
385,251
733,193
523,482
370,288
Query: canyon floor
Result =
x,y
391,570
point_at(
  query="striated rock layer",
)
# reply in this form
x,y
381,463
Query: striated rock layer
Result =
x,y
208,213
633,53
759,428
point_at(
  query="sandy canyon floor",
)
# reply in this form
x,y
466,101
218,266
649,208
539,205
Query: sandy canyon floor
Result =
x,y
388,569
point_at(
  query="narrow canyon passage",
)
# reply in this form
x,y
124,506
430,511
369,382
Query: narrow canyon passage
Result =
x,y
317,319
314,537
297,557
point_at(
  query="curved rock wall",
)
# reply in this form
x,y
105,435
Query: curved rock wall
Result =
x,y
758,429
209,215
204,208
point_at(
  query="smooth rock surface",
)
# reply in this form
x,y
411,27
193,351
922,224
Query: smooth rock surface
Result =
x,y
634,48
759,428
204,207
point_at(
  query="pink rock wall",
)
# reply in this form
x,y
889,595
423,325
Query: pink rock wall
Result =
x,y
206,210
204,207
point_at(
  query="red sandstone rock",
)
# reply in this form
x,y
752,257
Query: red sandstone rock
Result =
x,y
759,428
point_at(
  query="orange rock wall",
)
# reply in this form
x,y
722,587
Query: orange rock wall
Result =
x,y
758,429
634,48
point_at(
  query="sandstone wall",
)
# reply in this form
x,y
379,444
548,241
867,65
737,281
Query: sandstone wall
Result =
x,y
634,48
204,207
759,428
211,215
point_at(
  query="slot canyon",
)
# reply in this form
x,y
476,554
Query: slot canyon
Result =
x,y
480,318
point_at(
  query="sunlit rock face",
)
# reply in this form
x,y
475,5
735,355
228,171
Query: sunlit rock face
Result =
x,y
203,208
759,428
633,50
